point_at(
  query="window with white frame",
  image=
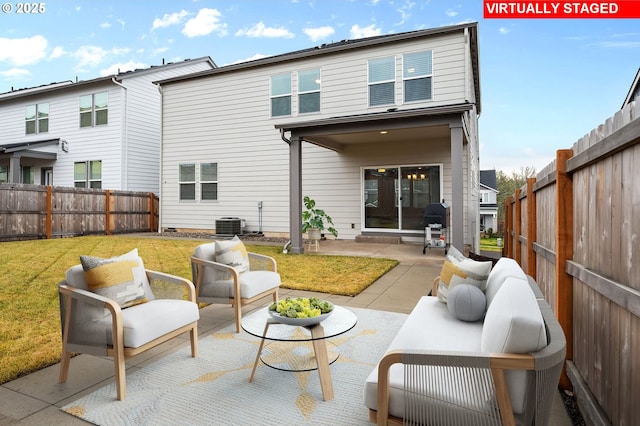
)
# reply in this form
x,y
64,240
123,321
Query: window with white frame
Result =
x,y
87,174
417,75
94,109
281,95
187,182
36,118
209,181
309,91
382,80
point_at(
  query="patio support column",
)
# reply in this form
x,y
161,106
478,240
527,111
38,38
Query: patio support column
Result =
x,y
457,187
14,169
295,194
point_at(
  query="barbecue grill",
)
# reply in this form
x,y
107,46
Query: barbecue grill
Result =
x,y
437,226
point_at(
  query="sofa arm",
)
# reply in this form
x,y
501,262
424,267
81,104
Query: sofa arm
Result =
x,y
488,367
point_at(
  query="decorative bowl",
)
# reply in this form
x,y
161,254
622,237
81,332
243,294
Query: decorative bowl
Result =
x,y
302,322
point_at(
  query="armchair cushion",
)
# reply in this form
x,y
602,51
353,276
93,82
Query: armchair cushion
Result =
x,y
146,322
233,253
252,283
503,269
121,280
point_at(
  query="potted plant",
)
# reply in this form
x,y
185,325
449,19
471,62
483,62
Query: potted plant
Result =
x,y
314,220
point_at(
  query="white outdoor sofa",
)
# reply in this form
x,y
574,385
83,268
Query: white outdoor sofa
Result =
x,y
503,369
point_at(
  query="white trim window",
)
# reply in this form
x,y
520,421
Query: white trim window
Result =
x,y
36,118
281,95
382,81
87,174
187,182
209,181
309,91
417,75
94,109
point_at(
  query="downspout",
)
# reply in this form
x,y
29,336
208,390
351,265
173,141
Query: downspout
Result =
x,y
284,137
161,157
125,139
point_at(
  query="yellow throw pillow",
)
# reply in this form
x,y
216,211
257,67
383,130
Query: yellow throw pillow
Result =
x,y
118,280
233,253
465,272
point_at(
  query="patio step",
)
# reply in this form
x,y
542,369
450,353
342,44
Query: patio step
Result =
x,y
382,239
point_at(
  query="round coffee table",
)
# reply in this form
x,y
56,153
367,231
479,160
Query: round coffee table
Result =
x,y
264,326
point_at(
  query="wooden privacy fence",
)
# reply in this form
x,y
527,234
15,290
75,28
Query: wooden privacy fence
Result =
x,y
576,229
35,211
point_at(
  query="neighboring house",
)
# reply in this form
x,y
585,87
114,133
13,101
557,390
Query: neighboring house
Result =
x,y
488,201
389,124
99,133
634,91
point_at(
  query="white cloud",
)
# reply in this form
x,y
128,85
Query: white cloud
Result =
x,y
57,53
121,22
169,19
451,13
252,58
105,25
319,33
89,55
23,51
122,67
504,30
15,73
370,31
260,30
206,22
404,12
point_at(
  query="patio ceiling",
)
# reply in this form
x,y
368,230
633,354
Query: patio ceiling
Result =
x,y
393,125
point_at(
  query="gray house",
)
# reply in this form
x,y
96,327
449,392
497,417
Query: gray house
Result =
x,y
373,129
488,201
98,133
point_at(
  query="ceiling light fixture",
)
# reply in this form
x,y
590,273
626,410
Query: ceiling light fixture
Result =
x,y
383,132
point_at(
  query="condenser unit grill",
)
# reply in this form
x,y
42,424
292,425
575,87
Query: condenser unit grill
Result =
x,y
229,226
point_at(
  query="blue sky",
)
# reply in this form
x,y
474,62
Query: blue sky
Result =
x,y
545,82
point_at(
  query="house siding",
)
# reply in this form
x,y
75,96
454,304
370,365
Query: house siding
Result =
x,y
225,118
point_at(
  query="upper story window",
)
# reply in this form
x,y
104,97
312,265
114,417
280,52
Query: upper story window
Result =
x,y
36,118
417,74
382,78
309,91
87,174
281,95
209,181
94,109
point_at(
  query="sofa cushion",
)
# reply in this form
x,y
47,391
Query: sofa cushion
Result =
x,y
121,279
466,271
503,269
514,324
467,302
233,253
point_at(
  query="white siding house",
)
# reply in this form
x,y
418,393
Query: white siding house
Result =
x,y
99,133
488,201
372,129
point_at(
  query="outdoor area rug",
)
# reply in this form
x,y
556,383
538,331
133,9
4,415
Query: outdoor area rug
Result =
x,y
214,388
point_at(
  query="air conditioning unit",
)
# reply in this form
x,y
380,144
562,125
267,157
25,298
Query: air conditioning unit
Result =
x,y
229,226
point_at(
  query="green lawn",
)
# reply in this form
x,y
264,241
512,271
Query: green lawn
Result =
x,y
490,244
30,271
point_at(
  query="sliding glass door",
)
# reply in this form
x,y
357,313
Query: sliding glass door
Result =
x,y
394,197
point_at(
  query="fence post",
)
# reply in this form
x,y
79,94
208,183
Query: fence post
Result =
x,y
564,252
507,228
151,215
517,226
49,215
532,229
107,219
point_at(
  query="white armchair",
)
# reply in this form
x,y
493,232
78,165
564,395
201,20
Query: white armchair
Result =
x,y
99,325
231,282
